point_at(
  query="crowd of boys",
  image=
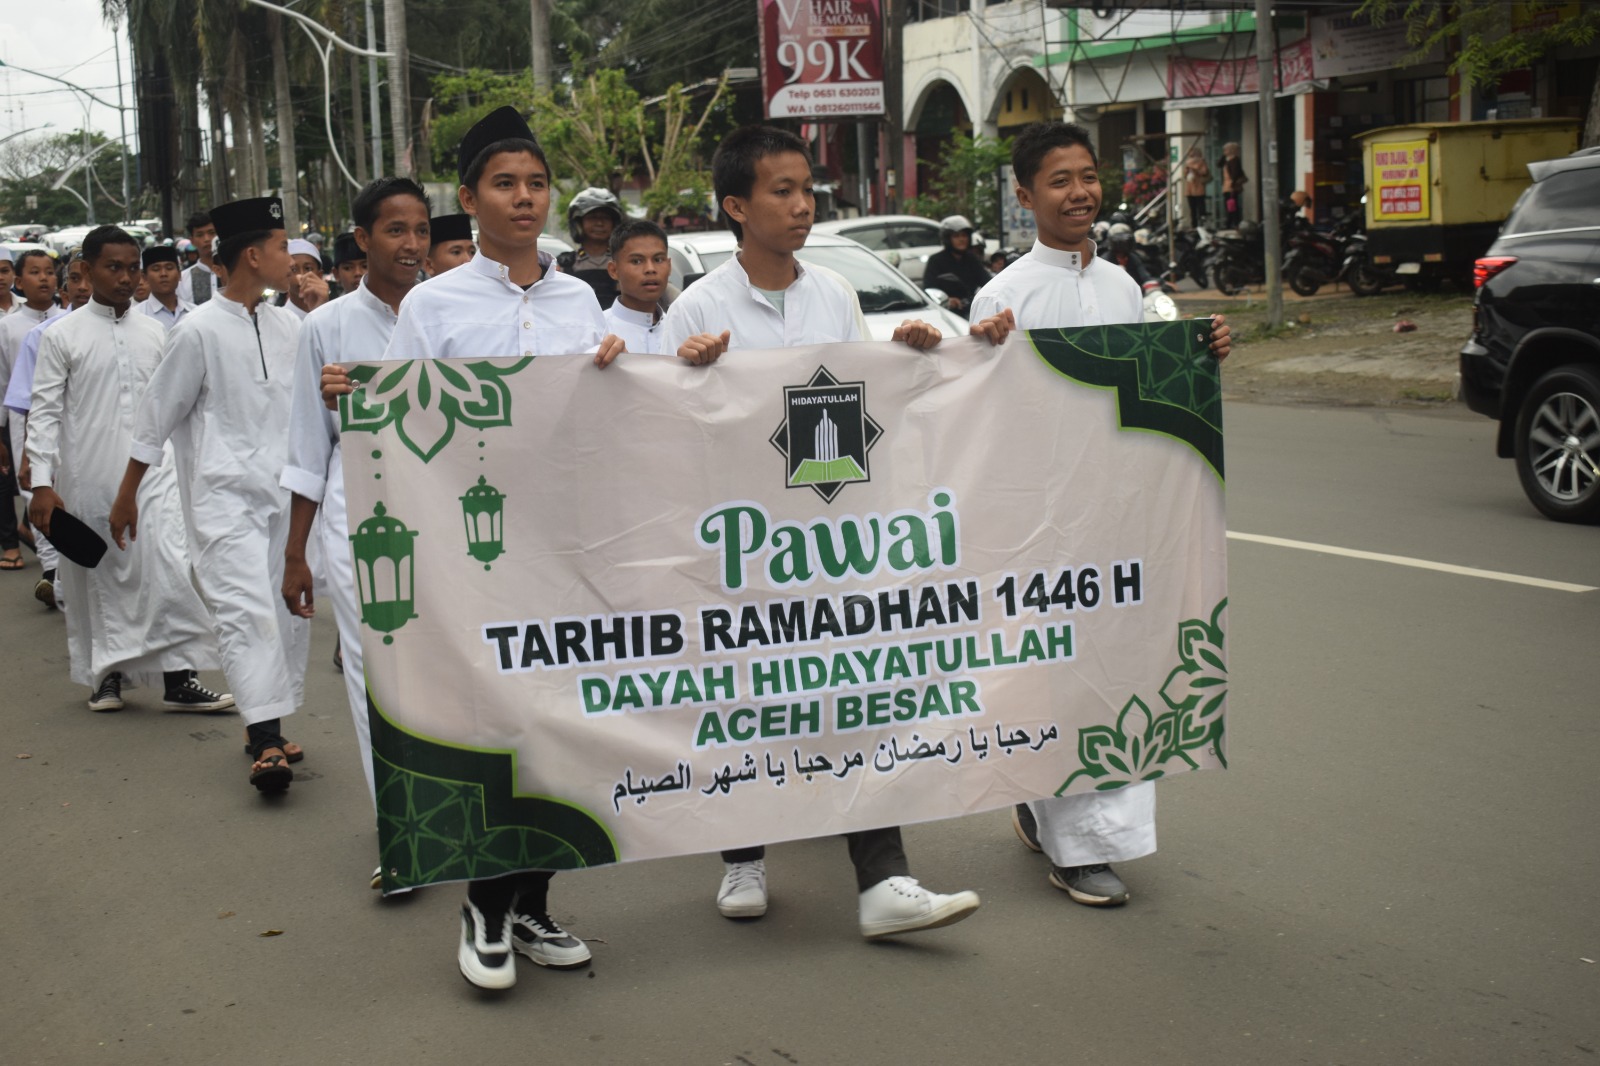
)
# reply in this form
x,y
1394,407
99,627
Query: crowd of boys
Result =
x,y
180,412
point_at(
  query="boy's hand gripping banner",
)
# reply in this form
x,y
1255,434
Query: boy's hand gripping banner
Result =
x,y
659,610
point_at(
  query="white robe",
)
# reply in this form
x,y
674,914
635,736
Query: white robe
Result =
x,y
1051,289
137,612
222,395
158,311
352,328
14,332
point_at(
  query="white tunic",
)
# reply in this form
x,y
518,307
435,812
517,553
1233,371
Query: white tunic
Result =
x,y
352,328
819,307
476,311
13,328
19,344
1052,289
158,311
639,330
137,612
222,395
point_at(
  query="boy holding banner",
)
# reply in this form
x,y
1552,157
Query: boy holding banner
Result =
x,y
1061,283
490,306
765,298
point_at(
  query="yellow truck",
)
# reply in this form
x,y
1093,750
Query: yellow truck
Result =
x,y
1438,191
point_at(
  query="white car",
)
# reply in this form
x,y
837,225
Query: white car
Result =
x,y
902,241
63,241
887,298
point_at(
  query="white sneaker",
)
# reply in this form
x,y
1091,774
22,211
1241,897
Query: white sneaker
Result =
x,y
744,890
545,943
486,962
900,905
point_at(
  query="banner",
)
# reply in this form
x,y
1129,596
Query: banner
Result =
x,y
1400,180
822,58
656,610
1190,78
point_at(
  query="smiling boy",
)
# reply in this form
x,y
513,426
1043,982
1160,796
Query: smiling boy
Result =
x,y
1061,283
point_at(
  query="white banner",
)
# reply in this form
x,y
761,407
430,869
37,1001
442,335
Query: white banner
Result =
x,y
659,610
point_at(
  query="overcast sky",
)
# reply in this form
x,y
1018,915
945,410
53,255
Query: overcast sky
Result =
x,y
67,39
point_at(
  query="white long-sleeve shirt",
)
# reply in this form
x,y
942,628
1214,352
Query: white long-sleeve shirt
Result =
x,y
1051,289
13,328
477,312
819,307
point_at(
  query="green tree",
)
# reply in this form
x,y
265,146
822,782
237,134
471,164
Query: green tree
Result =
x,y
966,181
1493,36
30,166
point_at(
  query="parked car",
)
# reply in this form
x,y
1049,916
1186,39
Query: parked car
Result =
x,y
1533,361
887,297
902,241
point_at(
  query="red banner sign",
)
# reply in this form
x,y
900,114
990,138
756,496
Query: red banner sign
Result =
x,y
822,58
1233,77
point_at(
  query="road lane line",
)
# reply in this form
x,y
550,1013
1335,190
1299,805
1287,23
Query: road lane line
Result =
x,y
1405,560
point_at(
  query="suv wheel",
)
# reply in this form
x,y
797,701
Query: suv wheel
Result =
x,y
1558,444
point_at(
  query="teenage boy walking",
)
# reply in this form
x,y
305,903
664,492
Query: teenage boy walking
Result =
x,y
764,298
508,300
222,396
1059,284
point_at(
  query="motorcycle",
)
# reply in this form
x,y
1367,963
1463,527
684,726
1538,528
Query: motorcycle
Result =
x,y
1358,271
1158,306
1193,248
1314,258
1237,261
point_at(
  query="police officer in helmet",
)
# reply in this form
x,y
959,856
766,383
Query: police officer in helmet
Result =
x,y
591,216
957,268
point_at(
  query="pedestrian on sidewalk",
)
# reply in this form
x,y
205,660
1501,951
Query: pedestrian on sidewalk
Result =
x,y
1196,176
1234,179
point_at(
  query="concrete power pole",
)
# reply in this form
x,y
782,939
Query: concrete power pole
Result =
x,y
372,86
894,100
394,34
540,12
1267,126
288,166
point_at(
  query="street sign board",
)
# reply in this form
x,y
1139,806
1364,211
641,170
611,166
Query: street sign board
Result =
x,y
822,58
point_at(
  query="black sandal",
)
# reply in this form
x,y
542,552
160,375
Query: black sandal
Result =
x,y
275,776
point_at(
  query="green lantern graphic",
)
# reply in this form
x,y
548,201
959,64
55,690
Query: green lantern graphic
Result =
x,y
482,509
385,553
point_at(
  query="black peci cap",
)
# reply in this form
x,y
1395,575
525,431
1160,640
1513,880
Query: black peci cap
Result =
x,y
247,216
345,249
443,228
501,124
161,253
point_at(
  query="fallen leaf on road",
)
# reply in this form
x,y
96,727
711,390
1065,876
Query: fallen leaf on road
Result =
x,y
224,914
271,932
24,755
1405,325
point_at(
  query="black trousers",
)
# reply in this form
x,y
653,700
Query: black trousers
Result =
x,y
528,889
1197,209
8,513
877,854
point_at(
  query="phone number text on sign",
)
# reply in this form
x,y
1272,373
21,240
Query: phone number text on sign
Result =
x,y
822,57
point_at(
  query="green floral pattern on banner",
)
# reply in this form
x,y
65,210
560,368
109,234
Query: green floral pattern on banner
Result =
x,y
1141,744
1165,377
426,399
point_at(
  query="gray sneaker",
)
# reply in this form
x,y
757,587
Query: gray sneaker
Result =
x,y
1093,886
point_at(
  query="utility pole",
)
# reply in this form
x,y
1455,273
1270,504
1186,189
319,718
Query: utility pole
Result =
x,y
1267,127
288,166
122,118
372,84
540,12
394,37
88,190
893,102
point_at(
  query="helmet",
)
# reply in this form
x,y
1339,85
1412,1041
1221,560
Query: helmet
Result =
x,y
954,224
587,201
1121,237
185,244
1100,230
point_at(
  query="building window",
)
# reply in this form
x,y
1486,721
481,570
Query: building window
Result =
x,y
1423,100
922,10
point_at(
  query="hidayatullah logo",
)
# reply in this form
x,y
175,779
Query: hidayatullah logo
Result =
x,y
826,434
276,211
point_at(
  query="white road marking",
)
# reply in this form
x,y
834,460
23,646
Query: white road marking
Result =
x,y
1420,564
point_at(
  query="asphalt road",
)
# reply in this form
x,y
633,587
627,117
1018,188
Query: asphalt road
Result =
x,y
1401,866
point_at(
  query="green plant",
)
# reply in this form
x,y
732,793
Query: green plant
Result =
x,y
966,181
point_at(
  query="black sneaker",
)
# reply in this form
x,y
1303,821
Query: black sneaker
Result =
x,y
192,696
485,954
1093,886
45,593
547,944
108,697
1027,827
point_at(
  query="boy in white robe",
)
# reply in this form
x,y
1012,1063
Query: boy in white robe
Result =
x,y
162,274
391,217
222,395
1061,283
136,617
639,264
508,300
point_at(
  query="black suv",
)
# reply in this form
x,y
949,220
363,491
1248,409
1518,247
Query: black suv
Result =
x,y
1533,361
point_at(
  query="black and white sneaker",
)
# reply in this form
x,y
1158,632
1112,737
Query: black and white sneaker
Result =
x,y
545,943
1027,827
485,954
45,591
108,697
192,696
